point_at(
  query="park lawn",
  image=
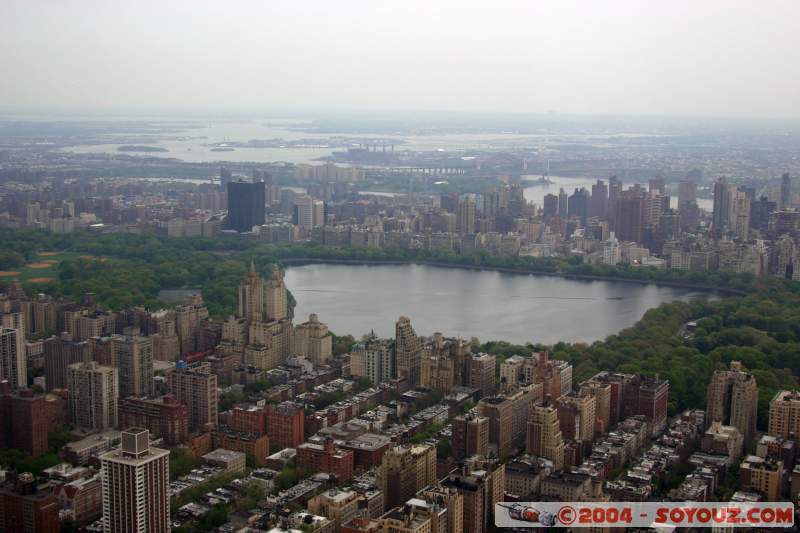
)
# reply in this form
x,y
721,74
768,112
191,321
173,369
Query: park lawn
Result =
x,y
43,268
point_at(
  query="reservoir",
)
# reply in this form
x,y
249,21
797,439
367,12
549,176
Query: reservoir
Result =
x,y
519,308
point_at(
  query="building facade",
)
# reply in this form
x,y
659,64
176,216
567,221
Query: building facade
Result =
x,y
195,386
135,486
93,393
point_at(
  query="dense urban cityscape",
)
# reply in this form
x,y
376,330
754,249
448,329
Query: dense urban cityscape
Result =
x,y
339,314
262,420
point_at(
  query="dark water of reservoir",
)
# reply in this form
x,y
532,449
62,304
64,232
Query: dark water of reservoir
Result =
x,y
489,305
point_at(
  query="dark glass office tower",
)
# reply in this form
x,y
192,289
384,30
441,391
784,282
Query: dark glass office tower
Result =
x,y
245,205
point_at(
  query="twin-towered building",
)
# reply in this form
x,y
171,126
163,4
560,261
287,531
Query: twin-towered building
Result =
x,y
267,332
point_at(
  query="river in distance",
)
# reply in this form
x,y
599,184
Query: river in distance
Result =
x,y
519,308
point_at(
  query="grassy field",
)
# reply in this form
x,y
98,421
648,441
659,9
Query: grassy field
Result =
x,y
42,270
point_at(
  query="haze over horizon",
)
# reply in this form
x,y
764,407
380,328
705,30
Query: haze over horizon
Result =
x,y
619,57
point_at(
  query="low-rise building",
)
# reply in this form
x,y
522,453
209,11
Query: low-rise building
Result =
x,y
248,443
764,476
81,499
340,506
228,460
81,451
723,440
322,455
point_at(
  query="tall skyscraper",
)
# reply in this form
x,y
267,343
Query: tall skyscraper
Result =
x,y
17,320
598,206
687,193
578,204
245,205
189,318
308,212
225,177
786,191
550,207
733,399
267,326
491,204
740,215
195,386
304,212
59,353
260,302
465,220
276,299
760,211
614,191
655,205
133,356
135,486
408,351
13,366
544,433
93,392
722,207
516,200
563,204
499,410
652,397
251,296
602,396
583,407
631,215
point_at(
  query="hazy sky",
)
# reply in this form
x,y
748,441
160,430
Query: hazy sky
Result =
x,y
686,57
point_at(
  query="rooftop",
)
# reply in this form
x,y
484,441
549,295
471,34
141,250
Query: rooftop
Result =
x,y
787,396
223,455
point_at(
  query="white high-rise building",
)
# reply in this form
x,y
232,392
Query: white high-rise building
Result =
x,y
309,213
12,358
373,360
135,486
612,252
